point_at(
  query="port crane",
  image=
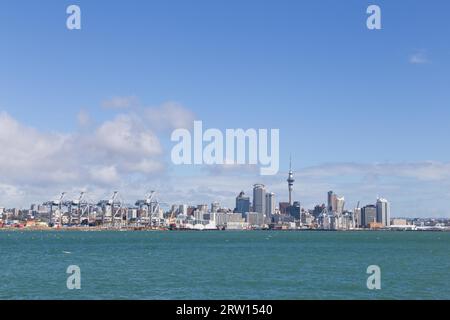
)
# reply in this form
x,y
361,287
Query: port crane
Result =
x,y
59,204
114,206
82,208
147,206
151,206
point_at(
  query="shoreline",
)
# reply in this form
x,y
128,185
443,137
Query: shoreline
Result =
x,y
137,229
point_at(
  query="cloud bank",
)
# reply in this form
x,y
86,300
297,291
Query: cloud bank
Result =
x,y
127,153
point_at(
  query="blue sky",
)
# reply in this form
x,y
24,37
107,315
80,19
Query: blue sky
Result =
x,y
342,95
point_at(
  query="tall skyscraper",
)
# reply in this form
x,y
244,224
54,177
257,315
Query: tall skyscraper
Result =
x,y
383,212
332,202
290,181
358,217
340,203
183,209
215,206
259,198
270,205
295,210
368,215
242,203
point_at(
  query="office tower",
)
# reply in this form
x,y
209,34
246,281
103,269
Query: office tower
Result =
x,y
358,217
383,212
183,209
270,205
242,203
332,202
340,203
290,182
203,208
284,207
215,206
368,215
318,209
295,210
259,198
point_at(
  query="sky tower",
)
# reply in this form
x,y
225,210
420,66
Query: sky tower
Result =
x,y
290,181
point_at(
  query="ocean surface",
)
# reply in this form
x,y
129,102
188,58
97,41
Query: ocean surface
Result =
x,y
224,265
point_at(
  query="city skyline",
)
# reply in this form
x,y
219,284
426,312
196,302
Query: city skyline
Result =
x,y
263,201
363,112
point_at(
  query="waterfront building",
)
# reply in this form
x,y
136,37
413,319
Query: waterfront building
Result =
x,y
255,218
383,212
183,209
358,218
324,221
242,203
222,219
368,215
340,203
295,210
270,205
331,202
215,206
399,222
284,207
190,210
259,198
199,215
318,209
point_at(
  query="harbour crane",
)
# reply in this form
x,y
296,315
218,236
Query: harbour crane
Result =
x,y
152,208
148,205
82,208
58,203
115,206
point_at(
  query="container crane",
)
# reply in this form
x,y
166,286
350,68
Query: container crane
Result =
x,y
58,203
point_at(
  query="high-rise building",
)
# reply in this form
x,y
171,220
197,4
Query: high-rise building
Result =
x,y
242,203
358,217
383,212
340,203
183,209
270,205
295,210
290,182
215,206
259,198
318,209
331,202
368,215
284,207
255,218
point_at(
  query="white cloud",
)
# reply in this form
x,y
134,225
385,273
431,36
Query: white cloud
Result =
x,y
36,163
106,175
419,57
83,118
169,116
127,135
120,102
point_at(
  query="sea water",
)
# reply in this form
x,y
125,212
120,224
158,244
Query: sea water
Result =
x,y
224,264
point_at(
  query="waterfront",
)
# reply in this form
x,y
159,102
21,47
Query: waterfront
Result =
x,y
224,265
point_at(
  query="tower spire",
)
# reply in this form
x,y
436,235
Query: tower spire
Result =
x,y
290,180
